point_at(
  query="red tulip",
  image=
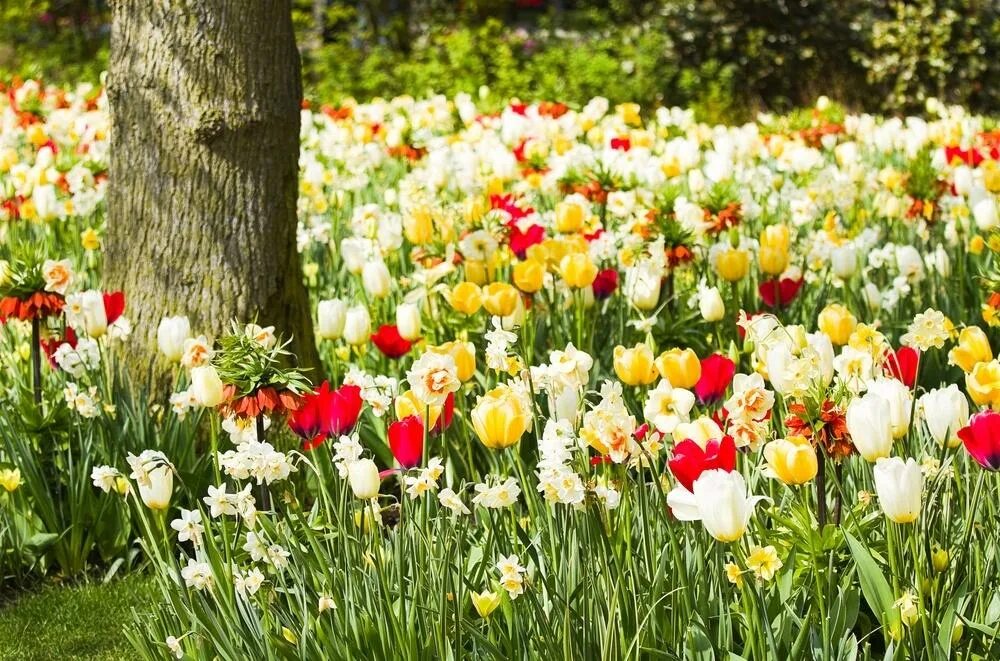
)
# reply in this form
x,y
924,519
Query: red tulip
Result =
x,y
605,284
406,440
783,291
716,374
982,439
446,416
114,305
521,241
325,413
621,143
690,460
902,365
390,342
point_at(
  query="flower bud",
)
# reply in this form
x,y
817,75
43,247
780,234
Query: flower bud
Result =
x,y
357,325
578,270
939,558
170,337
364,479
330,318
408,320
499,419
206,386
466,297
500,299
710,305
680,367
837,323
376,279
156,493
635,366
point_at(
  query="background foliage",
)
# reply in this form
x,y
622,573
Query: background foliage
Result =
x,y
725,58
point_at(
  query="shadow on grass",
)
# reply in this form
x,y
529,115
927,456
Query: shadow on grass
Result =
x,y
76,622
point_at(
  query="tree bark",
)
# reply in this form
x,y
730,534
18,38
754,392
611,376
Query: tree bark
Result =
x,y
205,98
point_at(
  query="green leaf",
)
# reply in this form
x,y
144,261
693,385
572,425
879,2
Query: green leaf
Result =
x,y
874,586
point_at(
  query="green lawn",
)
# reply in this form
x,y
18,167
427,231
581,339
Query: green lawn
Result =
x,y
80,622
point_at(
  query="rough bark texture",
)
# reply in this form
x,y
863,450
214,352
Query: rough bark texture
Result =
x,y
205,98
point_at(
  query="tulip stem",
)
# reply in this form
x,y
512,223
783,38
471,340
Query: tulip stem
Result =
x,y
821,489
838,507
36,360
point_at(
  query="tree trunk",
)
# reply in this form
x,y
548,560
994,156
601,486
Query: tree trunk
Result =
x,y
205,100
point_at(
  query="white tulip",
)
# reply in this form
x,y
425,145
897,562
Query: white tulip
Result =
x,y
376,279
710,305
844,261
870,424
899,485
642,286
206,386
95,318
408,320
900,403
330,318
157,491
358,325
355,253
364,479
170,337
724,503
945,411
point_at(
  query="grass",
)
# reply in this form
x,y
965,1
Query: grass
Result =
x,y
79,622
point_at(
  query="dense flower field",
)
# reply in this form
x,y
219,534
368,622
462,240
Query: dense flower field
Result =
x,y
600,384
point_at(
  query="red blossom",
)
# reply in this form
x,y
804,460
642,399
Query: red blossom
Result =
x,y
689,460
785,291
605,284
406,440
981,439
716,374
390,342
902,364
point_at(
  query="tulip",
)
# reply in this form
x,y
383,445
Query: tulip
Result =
x,y
485,602
844,261
529,275
983,384
500,299
899,485
605,284
406,440
94,318
170,337
973,347
364,479
869,421
569,216
902,365
710,305
701,430
466,297
499,418
331,316
900,401
357,325
635,366
408,404
792,460
982,439
690,459
376,279
325,413
720,500
642,286
716,374
156,491
732,264
408,321
945,411
779,293
206,386
464,355
578,270
837,323
390,342
680,367
418,226
772,260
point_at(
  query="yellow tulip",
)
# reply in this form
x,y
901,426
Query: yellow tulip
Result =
x,y
529,275
973,347
466,297
464,354
485,602
418,226
635,366
732,264
983,384
792,460
476,272
578,270
569,216
10,479
500,299
837,323
680,367
773,261
776,237
498,418
408,404
700,430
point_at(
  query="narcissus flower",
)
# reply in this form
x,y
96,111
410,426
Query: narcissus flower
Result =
x,y
635,366
982,439
667,406
792,460
499,418
406,440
